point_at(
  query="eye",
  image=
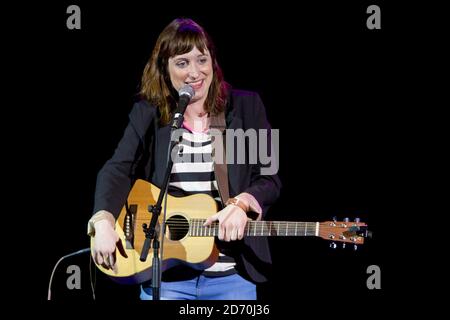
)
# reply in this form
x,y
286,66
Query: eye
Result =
x,y
181,64
203,60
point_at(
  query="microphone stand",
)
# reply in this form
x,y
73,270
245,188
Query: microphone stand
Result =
x,y
151,234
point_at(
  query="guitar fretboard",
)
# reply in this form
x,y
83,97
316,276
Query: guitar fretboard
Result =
x,y
258,228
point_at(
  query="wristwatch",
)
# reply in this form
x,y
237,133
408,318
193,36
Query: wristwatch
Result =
x,y
237,202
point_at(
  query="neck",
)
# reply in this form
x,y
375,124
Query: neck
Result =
x,y
259,228
196,116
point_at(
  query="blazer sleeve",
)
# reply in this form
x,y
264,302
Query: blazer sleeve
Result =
x,y
264,187
115,179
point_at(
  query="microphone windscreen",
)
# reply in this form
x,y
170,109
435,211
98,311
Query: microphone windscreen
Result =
x,y
186,90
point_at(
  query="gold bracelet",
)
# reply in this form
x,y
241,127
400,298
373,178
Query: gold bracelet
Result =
x,y
237,202
95,218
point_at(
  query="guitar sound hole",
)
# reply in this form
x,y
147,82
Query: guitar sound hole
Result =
x,y
178,227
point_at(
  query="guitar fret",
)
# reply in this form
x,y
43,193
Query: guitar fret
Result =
x,y
270,228
262,228
296,228
306,224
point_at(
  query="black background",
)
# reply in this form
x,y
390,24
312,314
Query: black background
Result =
x,y
328,83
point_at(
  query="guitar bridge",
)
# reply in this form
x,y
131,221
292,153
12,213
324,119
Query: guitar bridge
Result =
x,y
129,224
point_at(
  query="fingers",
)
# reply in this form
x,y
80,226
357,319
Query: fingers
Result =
x,y
112,262
232,222
228,233
234,234
211,219
105,242
101,259
241,231
98,259
108,261
105,258
222,232
232,231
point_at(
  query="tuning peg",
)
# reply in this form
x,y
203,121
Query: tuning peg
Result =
x,y
346,219
333,245
357,220
343,245
355,247
334,219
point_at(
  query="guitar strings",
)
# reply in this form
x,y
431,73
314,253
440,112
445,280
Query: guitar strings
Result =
x,y
195,226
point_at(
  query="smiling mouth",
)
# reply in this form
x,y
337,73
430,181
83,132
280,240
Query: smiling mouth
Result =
x,y
197,84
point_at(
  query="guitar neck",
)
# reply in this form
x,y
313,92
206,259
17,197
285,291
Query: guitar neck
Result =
x,y
258,228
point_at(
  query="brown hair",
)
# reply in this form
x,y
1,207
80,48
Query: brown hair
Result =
x,y
180,37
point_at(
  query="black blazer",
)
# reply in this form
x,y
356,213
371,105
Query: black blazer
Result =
x,y
142,154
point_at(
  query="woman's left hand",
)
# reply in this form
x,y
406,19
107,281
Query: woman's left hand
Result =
x,y
232,221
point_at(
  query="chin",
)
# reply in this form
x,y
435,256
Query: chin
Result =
x,y
199,95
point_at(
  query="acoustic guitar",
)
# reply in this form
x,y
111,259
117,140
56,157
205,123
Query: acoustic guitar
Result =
x,y
188,242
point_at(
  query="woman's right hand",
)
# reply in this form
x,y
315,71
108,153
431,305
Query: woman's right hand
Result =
x,y
105,241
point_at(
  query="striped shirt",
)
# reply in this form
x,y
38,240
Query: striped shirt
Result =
x,y
193,172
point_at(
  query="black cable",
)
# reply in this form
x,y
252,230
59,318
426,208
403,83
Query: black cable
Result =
x,y
49,296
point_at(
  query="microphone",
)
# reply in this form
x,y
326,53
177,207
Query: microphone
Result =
x,y
185,95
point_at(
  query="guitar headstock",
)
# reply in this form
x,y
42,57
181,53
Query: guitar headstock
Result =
x,y
344,231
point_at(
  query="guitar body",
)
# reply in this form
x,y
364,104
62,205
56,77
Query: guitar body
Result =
x,y
179,246
187,241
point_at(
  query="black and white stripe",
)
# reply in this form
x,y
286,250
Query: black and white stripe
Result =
x,y
193,172
193,169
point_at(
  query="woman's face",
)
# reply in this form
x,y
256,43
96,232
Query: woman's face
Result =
x,y
193,68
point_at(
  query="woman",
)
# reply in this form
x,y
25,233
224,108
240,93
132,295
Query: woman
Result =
x,y
184,55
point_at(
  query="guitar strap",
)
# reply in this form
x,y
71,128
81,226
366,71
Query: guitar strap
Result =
x,y
217,129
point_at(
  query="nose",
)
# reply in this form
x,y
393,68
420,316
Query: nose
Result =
x,y
193,71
